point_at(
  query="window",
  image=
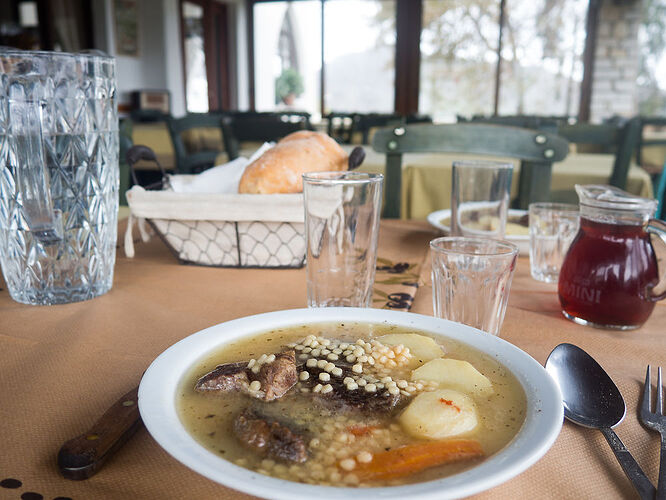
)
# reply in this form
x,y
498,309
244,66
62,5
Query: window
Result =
x,y
196,81
458,57
359,54
287,55
652,58
541,57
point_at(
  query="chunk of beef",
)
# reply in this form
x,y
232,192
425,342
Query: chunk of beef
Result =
x,y
224,378
277,377
359,400
269,438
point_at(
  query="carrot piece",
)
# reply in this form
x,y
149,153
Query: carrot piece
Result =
x,y
361,430
409,459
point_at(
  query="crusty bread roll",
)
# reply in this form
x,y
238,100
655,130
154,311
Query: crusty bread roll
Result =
x,y
279,169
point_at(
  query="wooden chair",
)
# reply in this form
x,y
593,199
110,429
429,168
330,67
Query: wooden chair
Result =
x,y
535,149
619,137
250,126
188,161
340,126
660,194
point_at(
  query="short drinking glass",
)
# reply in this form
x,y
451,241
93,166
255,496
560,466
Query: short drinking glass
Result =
x,y
553,227
341,229
471,278
480,198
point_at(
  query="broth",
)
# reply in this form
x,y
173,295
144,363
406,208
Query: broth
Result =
x,y
334,437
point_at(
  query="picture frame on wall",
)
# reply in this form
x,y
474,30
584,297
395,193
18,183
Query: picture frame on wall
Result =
x,y
126,17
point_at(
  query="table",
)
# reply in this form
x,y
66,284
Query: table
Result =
x,y
62,366
426,178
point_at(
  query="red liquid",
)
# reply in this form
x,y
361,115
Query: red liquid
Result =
x,y
606,275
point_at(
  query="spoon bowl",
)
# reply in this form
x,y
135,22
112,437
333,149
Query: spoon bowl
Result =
x,y
592,399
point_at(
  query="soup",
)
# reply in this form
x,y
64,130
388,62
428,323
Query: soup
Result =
x,y
357,404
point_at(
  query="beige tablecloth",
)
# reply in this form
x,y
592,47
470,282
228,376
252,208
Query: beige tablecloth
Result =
x,y
62,366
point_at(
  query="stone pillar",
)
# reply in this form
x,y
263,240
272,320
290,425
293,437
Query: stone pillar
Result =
x,y
614,89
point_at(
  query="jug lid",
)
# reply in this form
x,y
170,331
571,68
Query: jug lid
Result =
x,y
613,198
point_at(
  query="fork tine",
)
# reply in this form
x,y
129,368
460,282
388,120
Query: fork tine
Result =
x,y
647,392
660,390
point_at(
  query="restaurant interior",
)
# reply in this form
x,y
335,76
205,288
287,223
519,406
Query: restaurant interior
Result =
x,y
202,82
158,278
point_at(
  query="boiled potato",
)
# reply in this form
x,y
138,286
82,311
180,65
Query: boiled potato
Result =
x,y
422,348
439,414
454,374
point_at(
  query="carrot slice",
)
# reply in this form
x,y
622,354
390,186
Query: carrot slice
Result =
x,y
409,459
361,430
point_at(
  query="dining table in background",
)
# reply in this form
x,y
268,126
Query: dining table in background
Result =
x,y
62,366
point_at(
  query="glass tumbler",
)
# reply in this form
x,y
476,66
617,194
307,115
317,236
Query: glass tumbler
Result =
x,y
553,227
471,279
480,198
58,175
341,229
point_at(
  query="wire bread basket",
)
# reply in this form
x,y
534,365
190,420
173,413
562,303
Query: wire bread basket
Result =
x,y
220,230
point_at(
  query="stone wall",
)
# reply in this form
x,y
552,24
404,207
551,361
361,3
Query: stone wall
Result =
x,y
614,89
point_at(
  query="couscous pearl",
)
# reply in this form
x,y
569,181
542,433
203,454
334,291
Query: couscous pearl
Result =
x,y
357,368
351,358
362,382
311,363
336,371
321,363
347,380
255,385
324,377
370,388
317,388
348,464
332,357
364,457
329,367
352,386
270,358
326,389
304,375
251,363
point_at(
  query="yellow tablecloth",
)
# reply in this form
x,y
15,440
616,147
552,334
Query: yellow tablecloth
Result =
x,y
61,367
426,178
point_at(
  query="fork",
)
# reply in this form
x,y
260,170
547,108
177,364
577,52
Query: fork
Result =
x,y
656,421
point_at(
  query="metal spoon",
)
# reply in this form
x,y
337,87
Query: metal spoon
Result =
x,y
591,399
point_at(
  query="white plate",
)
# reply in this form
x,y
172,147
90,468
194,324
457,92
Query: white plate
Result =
x,y
521,241
157,404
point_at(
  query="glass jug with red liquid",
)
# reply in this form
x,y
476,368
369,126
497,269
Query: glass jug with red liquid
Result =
x,y
608,275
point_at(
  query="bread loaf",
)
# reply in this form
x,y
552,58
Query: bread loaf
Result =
x,y
279,169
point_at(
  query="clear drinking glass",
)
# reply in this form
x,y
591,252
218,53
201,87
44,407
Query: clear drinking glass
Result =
x,y
553,227
471,279
58,175
341,229
480,198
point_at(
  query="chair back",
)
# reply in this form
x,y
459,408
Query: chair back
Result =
x,y
340,126
619,138
536,151
250,126
643,142
202,157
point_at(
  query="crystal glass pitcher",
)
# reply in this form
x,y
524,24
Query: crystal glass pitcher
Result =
x,y
58,175
609,274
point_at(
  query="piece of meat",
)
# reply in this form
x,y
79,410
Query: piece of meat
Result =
x,y
225,378
269,438
359,400
277,377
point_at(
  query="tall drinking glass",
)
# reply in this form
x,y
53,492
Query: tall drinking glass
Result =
x,y
480,198
471,279
58,175
341,229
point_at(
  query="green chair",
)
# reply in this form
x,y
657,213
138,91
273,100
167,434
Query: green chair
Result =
x,y
661,195
189,161
536,150
125,142
339,126
620,138
251,126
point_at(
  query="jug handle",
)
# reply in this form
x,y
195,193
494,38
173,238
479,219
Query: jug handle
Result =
x,y
658,227
32,176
